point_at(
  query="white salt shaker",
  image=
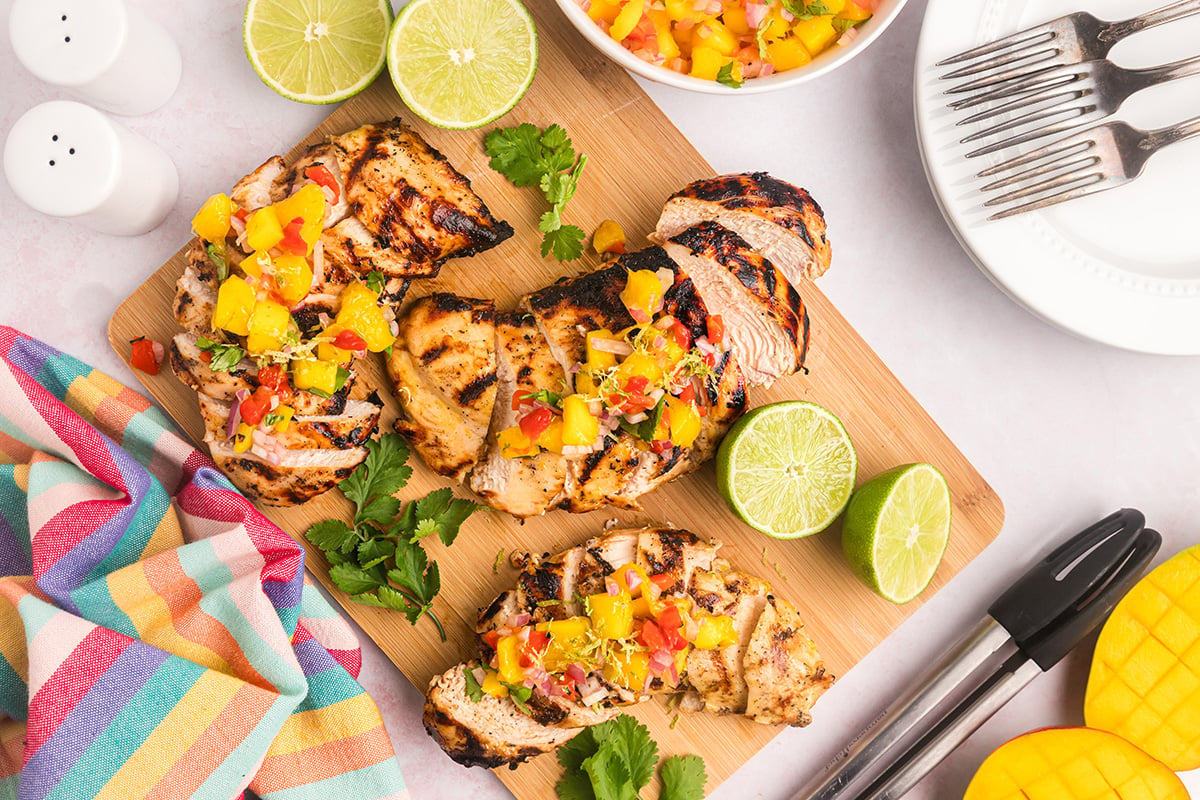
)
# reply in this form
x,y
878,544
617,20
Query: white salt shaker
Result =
x,y
69,160
107,53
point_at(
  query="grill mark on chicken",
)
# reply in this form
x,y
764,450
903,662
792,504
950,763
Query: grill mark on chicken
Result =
x,y
758,190
433,353
473,390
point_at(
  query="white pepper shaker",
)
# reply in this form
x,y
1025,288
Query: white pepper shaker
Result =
x,y
69,160
105,52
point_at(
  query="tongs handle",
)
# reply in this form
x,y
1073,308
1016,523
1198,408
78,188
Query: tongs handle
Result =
x,y
1071,590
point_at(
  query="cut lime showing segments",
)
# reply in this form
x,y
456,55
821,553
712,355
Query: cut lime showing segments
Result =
x,y
317,51
896,529
787,469
462,63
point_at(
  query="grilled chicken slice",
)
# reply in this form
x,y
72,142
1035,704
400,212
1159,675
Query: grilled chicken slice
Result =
x,y
346,431
488,733
262,186
443,371
765,320
409,209
196,291
783,671
189,367
717,676
523,487
321,155
779,220
773,673
299,476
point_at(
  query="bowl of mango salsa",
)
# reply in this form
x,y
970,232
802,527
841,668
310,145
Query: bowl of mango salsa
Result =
x,y
731,46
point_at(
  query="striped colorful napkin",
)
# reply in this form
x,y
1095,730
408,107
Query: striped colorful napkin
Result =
x,y
157,636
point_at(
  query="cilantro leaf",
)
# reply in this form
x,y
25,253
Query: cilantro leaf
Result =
x,y
425,527
332,535
376,282
610,776
434,504
474,690
683,778
725,77
566,243
519,693
802,10
575,785
451,521
384,472
353,580
842,25
224,356
374,552
630,741
217,256
572,754
546,396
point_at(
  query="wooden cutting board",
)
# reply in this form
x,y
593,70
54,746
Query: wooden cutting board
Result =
x,y
637,159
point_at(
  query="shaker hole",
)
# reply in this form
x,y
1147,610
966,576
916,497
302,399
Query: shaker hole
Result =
x,y
52,162
71,151
54,138
64,17
67,39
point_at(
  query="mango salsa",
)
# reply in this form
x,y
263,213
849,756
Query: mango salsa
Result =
x,y
732,40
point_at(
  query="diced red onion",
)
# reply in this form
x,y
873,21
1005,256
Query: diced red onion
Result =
x,y
787,15
611,587
235,412
576,673
519,620
574,368
767,69
755,14
639,316
705,346
595,408
318,266
576,450
661,659
849,36
690,627
274,402
656,395
479,674
659,342
614,346
594,696
633,579
158,350
636,418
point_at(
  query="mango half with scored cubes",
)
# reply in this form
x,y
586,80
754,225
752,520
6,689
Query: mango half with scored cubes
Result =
x,y
1073,764
1145,680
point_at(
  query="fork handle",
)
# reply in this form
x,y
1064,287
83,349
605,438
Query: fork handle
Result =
x,y
1116,31
1153,76
1176,133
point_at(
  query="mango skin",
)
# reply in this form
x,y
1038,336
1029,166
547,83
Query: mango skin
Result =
x,y
1072,764
1144,683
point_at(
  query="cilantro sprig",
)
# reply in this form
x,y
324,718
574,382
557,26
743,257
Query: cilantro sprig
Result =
x,y
725,77
529,156
378,559
224,356
615,760
803,10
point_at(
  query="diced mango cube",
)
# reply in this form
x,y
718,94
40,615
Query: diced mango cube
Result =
x,y
235,304
263,230
787,53
707,62
715,35
816,34
211,222
627,19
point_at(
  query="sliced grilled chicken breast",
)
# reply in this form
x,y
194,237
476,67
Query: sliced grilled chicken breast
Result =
x,y
321,155
189,367
764,317
523,487
196,291
773,673
443,371
779,220
488,733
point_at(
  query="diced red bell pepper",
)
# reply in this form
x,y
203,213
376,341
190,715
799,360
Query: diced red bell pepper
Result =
x,y
663,581
275,378
349,340
320,175
660,446
668,625
681,335
537,644
651,636
716,329
142,356
535,423
637,384
256,406
492,638
292,241
688,395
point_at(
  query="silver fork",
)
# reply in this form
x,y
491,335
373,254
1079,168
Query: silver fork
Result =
x,y
1066,97
1067,40
1094,160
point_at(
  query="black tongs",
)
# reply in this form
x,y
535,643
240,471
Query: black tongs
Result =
x,y
1027,631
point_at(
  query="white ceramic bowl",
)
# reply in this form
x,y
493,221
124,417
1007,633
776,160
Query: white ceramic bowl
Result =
x,y
868,32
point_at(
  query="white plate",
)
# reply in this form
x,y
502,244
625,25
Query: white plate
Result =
x,y
1121,267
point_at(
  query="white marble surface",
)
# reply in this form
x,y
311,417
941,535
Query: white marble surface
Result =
x,y
1065,430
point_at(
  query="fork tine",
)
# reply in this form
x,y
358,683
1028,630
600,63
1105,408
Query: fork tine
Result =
x,y
1063,181
1099,185
1011,40
1046,172
1029,136
1022,103
1001,87
1053,151
1027,52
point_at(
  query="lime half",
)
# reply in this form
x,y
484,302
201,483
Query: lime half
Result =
x,y
896,529
787,469
317,51
462,63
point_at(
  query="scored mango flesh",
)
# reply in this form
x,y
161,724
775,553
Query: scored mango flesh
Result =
x,y
1072,764
1145,680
